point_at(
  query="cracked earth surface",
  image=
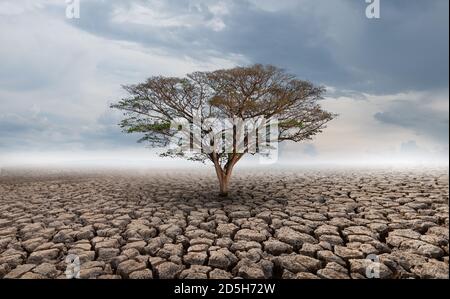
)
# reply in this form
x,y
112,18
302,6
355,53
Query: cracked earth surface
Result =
x,y
278,224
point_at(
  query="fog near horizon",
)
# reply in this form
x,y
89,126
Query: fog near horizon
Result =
x,y
149,159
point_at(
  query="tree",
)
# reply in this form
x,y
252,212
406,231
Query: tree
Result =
x,y
163,107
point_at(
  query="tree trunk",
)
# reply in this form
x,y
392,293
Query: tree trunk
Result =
x,y
223,181
224,174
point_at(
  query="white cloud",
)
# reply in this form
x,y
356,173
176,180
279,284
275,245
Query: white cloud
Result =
x,y
160,15
68,77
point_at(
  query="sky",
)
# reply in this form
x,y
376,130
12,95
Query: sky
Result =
x,y
387,78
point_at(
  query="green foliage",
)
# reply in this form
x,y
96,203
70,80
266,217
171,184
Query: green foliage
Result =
x,y
292,123
145,128
244,92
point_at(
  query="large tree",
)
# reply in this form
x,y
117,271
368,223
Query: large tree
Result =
x,y
263,94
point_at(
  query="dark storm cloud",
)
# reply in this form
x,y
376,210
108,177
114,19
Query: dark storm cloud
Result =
x,y
417,117
43,131
330,42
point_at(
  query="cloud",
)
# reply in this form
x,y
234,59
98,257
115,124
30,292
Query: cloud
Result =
x,y
330,44
358,134
423,115
310,150
43,131
410,147
56,83
290,151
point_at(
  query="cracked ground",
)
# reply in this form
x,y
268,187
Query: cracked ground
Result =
x,y
300,224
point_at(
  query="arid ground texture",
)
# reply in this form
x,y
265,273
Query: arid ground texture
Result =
x,y
275,224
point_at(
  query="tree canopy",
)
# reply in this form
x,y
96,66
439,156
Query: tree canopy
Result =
x,y
155,107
